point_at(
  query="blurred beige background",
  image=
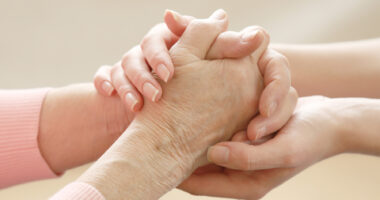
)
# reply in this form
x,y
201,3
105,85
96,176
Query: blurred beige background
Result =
x,y
55,43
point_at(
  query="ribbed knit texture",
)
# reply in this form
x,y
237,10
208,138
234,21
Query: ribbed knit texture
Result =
x,y
20,157
78,191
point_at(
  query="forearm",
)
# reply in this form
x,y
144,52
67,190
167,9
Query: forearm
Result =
x,y
76,126
138,166
335,70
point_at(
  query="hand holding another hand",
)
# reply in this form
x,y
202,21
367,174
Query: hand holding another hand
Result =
x,y
205,102
315,132
130,75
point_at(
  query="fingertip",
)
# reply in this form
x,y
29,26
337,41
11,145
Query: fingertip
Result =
x,y
252,37
131,101
152,92
163,72
219,14
218,154
256,130
175,22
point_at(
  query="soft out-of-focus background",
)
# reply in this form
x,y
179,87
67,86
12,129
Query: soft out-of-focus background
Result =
x,y
55,43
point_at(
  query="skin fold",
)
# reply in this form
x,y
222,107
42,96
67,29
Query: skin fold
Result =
x,y
179,118
172,136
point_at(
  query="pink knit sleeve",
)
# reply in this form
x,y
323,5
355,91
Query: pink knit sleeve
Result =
x,y
20,157
78,191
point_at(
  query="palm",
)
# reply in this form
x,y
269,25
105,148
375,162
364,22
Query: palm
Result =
x,y
296,145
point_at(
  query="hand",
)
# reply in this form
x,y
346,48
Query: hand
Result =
x,y
130,75
202,104
313,133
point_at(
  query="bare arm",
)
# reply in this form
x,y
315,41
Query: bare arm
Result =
x,y
335,70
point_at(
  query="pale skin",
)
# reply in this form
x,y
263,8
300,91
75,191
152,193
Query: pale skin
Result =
x,y
172,135
77,125
357,106
128,76
336,70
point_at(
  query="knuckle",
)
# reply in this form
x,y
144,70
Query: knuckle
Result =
x,y
113,71
139,78
290,159
197,23
145,42
156,57
123,88
203,25
275,61
128,56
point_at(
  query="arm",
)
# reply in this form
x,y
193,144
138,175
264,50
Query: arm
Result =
x,y
168,139
52,130
129,76
139,165
320,128
335,70
77,125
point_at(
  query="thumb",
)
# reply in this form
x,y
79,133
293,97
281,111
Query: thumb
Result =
x,y
243,156
255,56
198,38
176,22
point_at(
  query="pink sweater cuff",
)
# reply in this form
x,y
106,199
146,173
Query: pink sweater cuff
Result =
x,y
78,191
20,157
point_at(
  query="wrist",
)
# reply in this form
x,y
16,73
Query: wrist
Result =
x,y
360,125
73,126
138,158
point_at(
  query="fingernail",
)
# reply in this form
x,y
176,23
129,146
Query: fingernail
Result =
x,y
249,36
260,132
218,154
174,14
150,90
107,87
163,72
218,14
131,101
272,108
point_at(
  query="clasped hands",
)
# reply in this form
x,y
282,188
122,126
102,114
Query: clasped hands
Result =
x,y
215,85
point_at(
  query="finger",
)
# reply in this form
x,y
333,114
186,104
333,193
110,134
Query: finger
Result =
x,y
155,47
275,70
176,22
102,80
231,44
242,156
240,136
125,89
138,72
218,184
262,126
237,185
208,169
198,37
255,56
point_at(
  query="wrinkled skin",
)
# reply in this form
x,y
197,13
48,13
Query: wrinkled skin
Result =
x,y
207,100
